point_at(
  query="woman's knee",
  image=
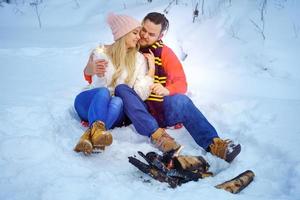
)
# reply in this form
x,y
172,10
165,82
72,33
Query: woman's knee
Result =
x,y
80,106
117,103
103,91
79,101
102,94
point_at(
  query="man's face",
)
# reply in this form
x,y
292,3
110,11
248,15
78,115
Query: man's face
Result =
x,y
150,33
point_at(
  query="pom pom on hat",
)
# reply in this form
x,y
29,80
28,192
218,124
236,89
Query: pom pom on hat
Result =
x,y
120,25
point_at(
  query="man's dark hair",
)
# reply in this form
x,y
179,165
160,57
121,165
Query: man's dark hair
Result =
x,y
158,18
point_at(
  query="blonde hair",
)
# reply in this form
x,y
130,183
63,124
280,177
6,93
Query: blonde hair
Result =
x,y
122,58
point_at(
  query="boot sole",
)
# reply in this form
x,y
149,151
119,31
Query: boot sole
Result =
x,y
98,149
233,154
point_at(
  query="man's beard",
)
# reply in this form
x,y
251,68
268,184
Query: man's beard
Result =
x,y
144,45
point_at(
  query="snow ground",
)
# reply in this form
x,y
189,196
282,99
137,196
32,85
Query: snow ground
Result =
x,y
247,88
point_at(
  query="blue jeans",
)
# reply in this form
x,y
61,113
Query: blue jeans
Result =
x,y
97,104
178,109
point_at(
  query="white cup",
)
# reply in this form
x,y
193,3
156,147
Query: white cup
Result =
x,y
99,54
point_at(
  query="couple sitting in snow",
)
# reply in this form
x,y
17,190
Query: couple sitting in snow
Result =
x,y
139,78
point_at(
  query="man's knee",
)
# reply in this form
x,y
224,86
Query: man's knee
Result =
x,y
181,100
120,89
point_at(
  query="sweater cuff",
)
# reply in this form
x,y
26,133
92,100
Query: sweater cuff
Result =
x,y
171,90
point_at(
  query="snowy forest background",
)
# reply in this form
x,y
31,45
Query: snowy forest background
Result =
x,y
241,59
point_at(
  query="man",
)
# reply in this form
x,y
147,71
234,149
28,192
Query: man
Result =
x,y
168,105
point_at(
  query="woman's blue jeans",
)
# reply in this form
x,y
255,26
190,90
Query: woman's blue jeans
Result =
x,y
98,104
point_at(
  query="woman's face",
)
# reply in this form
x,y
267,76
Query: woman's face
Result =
x,y
132,38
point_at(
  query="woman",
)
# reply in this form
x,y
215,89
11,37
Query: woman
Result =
x,y
124,65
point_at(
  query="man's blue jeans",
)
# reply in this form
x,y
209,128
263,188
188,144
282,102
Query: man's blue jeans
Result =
x,y
97,104
178,109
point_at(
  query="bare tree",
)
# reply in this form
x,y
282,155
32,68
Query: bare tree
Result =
x,y
261,28
168,8
296,29
183,54
77,3
36,4
279,4
202,8
6,1
195,13
263,10
233,31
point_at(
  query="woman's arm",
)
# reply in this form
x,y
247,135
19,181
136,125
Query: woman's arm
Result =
x,y
97,67
144,78
151,63
89,68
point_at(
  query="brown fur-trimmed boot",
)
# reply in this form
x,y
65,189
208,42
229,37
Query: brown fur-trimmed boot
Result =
x,y
99,136
224,149
85,144
163,141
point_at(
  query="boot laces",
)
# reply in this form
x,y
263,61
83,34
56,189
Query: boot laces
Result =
x,y
163,139
98,125
221,147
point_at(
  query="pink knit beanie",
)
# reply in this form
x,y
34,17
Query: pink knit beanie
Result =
x,y
120,25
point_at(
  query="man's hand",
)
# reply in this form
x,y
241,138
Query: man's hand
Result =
x,y
159,89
